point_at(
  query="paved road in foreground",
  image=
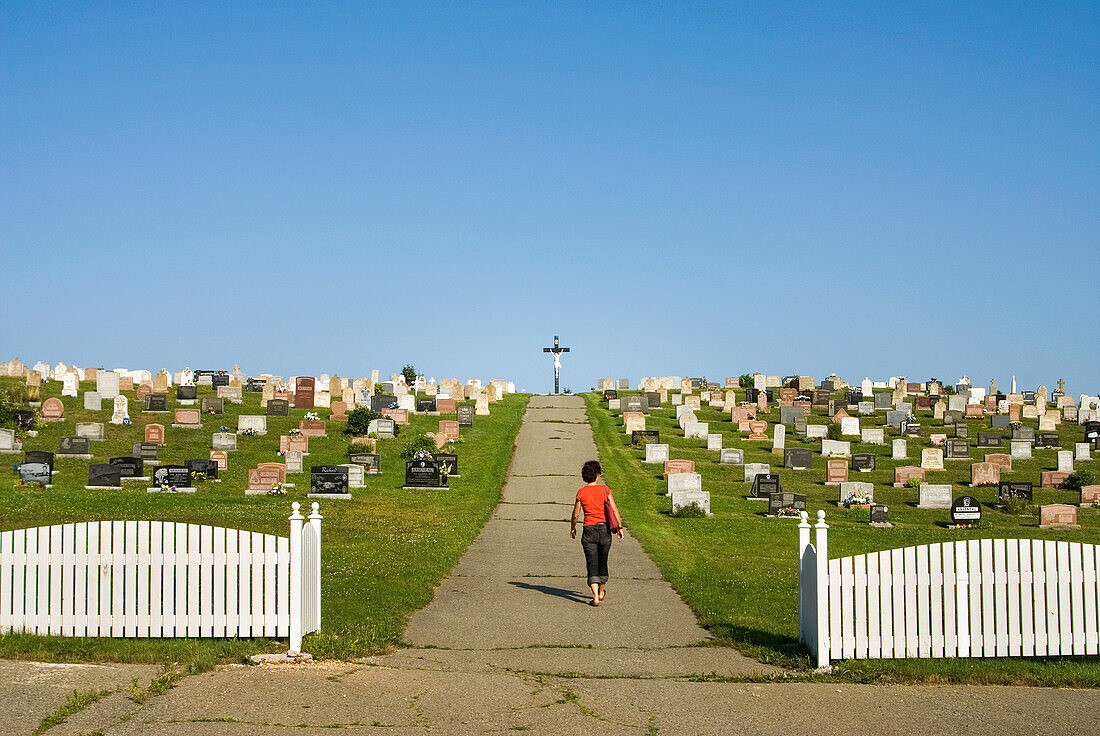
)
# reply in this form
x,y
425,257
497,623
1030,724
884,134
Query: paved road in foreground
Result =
x,y
510,645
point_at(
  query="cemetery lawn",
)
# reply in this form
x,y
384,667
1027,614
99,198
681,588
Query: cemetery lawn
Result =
x,y
383,551
738,570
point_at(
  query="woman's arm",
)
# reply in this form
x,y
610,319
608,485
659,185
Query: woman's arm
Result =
x,y
612,500
575,519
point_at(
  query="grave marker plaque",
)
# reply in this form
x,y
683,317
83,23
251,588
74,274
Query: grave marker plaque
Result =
x,y
779,501
798,458
328,480
278,408
966,510
129,467
172,475
764,485
1015,489
423,473
156,402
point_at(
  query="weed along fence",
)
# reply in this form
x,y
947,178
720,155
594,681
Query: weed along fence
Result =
x,y
160,579
972,598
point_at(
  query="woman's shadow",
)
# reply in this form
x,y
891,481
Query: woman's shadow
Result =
x,y
572,595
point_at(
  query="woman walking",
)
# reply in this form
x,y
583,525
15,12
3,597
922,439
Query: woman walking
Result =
x,y
595,500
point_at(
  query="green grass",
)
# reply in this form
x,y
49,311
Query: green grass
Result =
x,y
383,552
737,569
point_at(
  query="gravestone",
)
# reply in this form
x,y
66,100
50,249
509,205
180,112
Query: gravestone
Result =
x,y
39,456
836,448
873,436
225,441
880,515
447,462
931,458
7,441
257,423
848,489
129,467
905,473
798,458
34,473
154,433
699,498
371,461
1065,461
1046,439
780,501
836,471
465,415
956,448
203,465
304,390
754,469
934,496
278,408
156,403
1015,489
385,428
312,427
863,462
330,481
656,453
1000,421
90,430
684,482
989,439
53,410
731,456
643,436
966,510
985,474
121,413
1058,516
1020,449
171,475
145,451
423,473
187,419
186,393
93,401
765,484
212,405
106,384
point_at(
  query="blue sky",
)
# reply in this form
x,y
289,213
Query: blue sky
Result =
x,y
673,188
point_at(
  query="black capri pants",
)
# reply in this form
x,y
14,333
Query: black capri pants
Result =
x,y
596,543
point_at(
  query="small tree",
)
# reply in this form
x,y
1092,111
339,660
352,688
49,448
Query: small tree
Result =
x,y
359,420
409,372
745,381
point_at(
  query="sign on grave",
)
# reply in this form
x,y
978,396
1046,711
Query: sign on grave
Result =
x,y
75,446
1015,489
328,480
203,465
644,437
966,510
863,462
156,402
765,484
731,456
212,405
147,451
797,458
172,475
777,502
1058,516
129,467
221,457
34,473
304,389
423,473
39,456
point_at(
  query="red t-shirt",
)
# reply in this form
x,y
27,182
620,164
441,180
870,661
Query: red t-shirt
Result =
x,y
592,499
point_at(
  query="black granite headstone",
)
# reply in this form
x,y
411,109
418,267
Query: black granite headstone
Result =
x,y
1015,489
203,465
465,415
765,484
187,393
645,437
422,474
328,479
104,474
797,458
75,446
129,467
278,408
172,475
156,402
39,456
966,510
863,461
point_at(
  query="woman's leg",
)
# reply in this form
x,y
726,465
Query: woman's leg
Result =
x,y
590,543
601,561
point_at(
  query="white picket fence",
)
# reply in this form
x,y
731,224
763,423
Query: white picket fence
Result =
x,y
149,579
972,598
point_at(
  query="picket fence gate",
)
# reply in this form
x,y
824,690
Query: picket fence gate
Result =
x,y
162,579
971,598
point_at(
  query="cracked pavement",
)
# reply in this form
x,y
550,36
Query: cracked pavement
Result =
x,y
510,645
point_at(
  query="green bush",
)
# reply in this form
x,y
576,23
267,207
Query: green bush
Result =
x,y
1017,506
833,431
11,399
745,381
1075,480
415,444
690,511
409,372
359,420
357,447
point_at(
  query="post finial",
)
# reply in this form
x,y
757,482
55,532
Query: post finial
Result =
x,y
294,507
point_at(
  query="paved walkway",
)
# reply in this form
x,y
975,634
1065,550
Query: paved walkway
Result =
x,y
509,644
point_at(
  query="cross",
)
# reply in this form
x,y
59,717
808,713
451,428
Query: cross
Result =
x,y
556,352
1062,385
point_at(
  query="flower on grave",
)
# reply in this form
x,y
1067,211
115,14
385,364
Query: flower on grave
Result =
x,y
295,433
198,475
223,428
393,405
858,498
277,489
788,511
311,416
422,455
248,432
126,421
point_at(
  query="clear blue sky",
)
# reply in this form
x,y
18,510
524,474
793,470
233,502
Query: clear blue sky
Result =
x,y
673,188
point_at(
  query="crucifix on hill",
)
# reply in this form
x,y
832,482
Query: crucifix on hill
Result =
x,y
556,352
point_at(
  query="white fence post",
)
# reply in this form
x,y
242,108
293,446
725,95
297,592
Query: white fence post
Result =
x,y
311,572
822,595
803,580
296,520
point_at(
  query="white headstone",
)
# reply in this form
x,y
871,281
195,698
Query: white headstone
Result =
x,y
106,383
69,385
754,469
731,456
1082,451
121,414
934,496
900,450
256,422
849,427
681,499
1020,449
779,437
714,441
656,453
873,435
93,401
835,448
1065,461
685,482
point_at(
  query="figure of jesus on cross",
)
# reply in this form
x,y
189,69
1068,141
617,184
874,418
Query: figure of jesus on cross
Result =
x,y
556,352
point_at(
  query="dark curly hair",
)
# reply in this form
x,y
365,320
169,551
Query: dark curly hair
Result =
x,y
590,470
